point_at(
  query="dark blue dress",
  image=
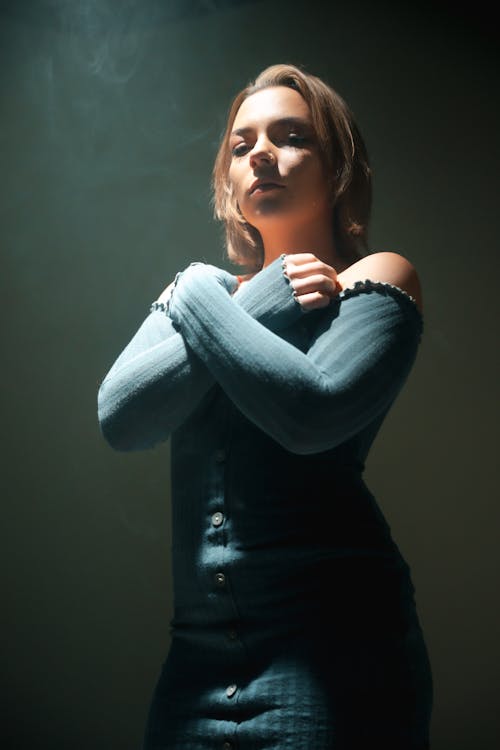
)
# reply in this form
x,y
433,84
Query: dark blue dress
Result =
x,y
295,624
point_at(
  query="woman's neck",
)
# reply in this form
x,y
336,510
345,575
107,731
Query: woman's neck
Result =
x,y
315,239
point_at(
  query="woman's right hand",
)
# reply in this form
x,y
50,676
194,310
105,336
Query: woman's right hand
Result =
x,y
314,282
166,294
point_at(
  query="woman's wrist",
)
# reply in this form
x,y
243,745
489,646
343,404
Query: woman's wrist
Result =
x,y
268,297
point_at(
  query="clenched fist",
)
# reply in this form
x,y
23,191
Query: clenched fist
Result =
x,y
314,282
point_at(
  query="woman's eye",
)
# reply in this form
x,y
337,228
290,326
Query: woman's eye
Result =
x,y
296,139
240,149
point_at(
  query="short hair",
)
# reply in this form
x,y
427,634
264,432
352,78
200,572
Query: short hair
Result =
x,y
345,154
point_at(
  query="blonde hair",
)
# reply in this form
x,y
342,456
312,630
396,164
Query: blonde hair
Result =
x,y
343,149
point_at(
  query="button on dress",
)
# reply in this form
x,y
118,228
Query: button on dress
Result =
x,y
295,623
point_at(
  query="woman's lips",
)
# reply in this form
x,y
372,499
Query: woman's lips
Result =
x,y
265,187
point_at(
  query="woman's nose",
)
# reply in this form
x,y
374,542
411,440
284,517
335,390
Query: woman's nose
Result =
x,y
262,153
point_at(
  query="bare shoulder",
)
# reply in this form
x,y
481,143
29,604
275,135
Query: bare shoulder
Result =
x,y
389,267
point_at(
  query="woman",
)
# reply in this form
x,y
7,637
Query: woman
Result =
x,y
294,623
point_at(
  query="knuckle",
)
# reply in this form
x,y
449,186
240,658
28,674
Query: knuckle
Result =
x,y
299,286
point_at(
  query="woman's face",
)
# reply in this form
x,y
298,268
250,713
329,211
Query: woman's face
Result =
x,y
276,169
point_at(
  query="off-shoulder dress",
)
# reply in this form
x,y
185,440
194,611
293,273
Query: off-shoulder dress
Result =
x,y
295,623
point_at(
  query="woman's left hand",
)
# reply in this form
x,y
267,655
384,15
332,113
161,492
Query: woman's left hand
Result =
x,y
314,282
197,268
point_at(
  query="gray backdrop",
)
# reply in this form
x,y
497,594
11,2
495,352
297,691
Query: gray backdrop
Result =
x,y
110,117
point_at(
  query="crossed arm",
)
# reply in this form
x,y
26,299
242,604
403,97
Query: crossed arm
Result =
x,y
358,360
158,380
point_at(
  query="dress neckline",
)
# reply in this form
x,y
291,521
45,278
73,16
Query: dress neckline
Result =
x,y
383,286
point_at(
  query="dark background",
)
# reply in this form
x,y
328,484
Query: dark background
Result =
x,y
110,115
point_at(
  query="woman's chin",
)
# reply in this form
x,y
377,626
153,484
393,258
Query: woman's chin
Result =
x,y
268,213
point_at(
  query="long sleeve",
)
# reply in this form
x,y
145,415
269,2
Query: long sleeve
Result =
x,y
157,380
359,358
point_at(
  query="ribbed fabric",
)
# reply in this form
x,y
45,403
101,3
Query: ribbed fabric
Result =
x,y
358,360
157,380
295,623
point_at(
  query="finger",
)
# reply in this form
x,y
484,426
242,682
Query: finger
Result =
x,y
313,300
165,295
300,258
308,269
318,283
